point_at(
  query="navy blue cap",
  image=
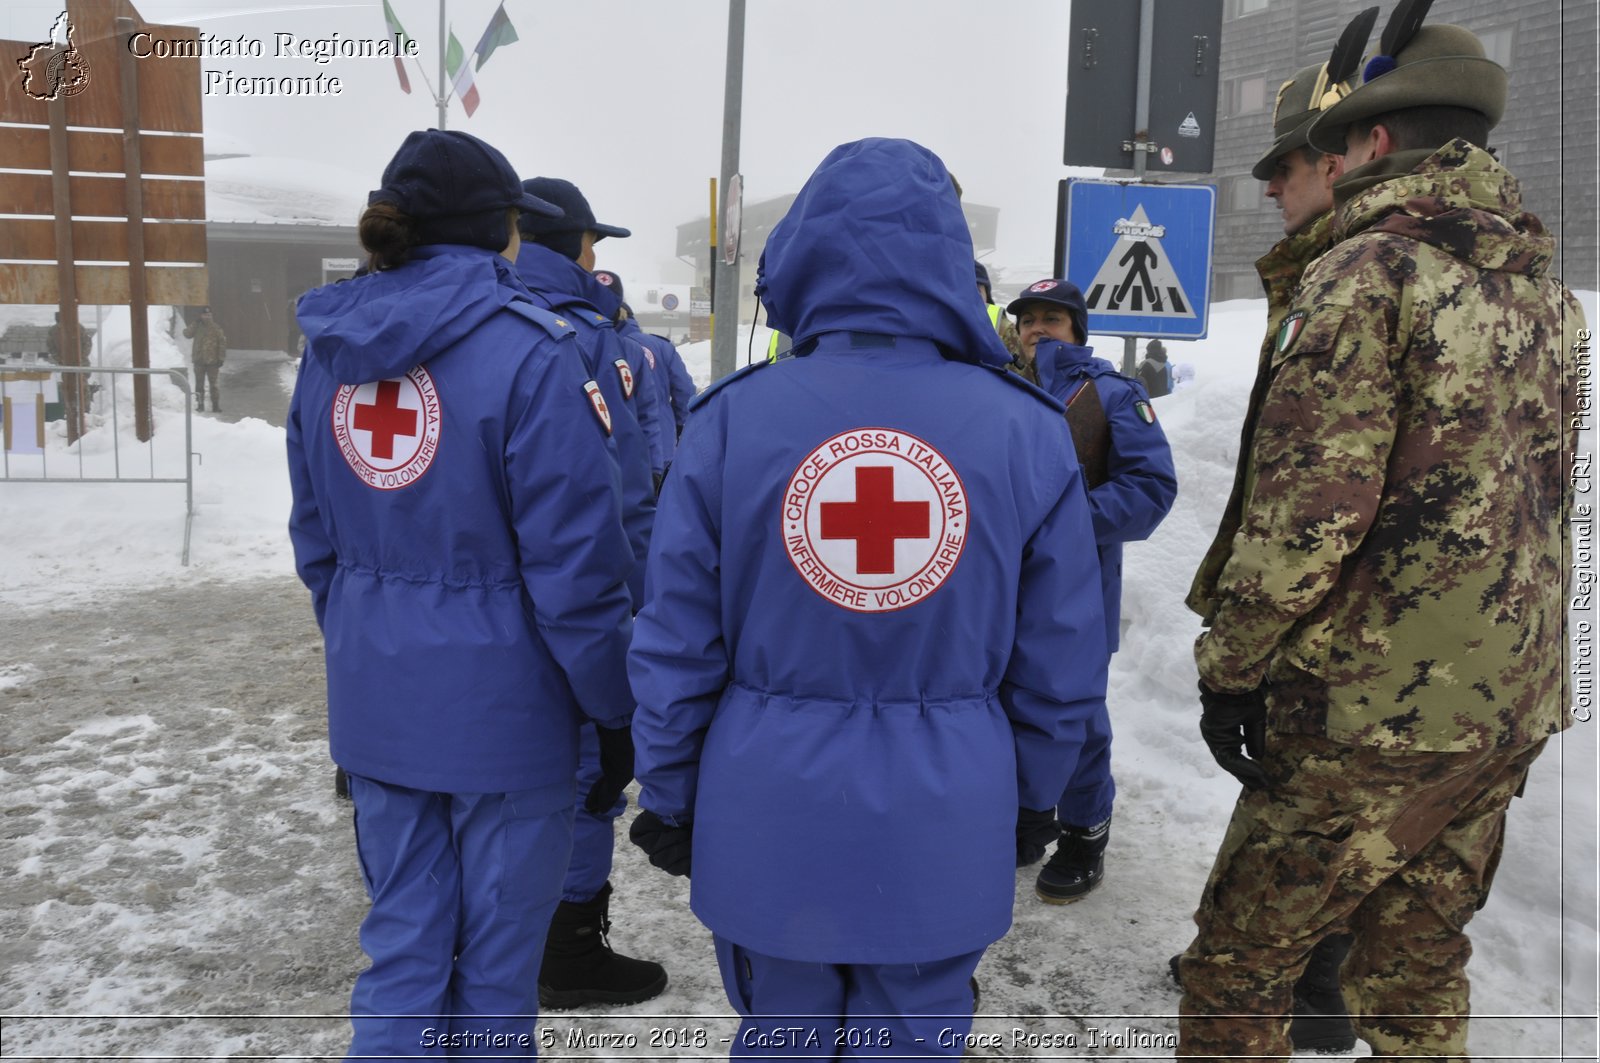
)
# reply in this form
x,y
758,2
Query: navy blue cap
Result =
x,y
610,280
445,173
1061,292
576,214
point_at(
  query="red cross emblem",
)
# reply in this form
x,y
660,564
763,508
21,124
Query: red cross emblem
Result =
x,y
624,374
385,419
388,430
874,519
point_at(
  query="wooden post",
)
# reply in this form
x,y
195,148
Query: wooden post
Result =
x,y
67,292
138,297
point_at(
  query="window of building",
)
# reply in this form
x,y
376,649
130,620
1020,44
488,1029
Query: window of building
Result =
x,y
1241,193
1245,95
1497,44
1243,285
1236,8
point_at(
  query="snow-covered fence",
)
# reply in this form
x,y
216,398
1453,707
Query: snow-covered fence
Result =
x,y
103,446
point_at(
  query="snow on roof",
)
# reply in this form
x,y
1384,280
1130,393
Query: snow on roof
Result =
x,y
277,191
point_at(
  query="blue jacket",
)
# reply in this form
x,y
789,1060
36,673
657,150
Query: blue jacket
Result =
x,y
870,633
1142,483
664,430
455,518
680,385
560,284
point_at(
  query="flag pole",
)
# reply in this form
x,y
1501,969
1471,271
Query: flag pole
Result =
x,y
444,100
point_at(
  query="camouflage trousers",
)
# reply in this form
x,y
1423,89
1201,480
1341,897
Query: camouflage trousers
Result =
x,y
1399,847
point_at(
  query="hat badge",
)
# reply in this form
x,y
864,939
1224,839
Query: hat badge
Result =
x,y
1042,286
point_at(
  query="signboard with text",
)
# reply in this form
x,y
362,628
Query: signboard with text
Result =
x,y
1141,255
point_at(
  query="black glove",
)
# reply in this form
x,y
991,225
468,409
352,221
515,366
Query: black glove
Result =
x,y
616,769
1035,831
668,848
1229,720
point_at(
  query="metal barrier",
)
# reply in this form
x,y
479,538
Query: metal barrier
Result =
x,y
95,414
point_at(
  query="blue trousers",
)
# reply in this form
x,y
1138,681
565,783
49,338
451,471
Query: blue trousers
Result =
x,y
1090,792
592,836
806,1010
463,887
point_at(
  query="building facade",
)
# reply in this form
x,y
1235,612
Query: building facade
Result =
x,y
1547,137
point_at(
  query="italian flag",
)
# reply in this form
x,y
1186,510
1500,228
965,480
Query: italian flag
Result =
x,y
397,34
500,31
455,60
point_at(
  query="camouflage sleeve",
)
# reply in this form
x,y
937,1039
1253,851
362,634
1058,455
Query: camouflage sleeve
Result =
x,y
1318,456
1008,335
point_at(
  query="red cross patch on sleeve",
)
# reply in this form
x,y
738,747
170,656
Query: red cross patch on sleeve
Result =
x,y
597,403
625,374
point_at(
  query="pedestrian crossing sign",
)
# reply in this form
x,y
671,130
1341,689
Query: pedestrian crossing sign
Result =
x,y
1141,255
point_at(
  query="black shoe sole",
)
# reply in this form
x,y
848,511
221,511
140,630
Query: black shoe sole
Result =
x,y
1331,1043
1063,898
564,999
1077,891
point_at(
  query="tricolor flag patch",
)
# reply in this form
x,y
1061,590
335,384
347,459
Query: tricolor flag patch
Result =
x,y
1290,330
1146,412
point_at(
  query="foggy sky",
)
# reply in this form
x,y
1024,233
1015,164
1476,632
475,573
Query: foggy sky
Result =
x,y
625,97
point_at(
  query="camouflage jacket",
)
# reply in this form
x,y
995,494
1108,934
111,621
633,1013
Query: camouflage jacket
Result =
x,y
1397,577
1280,270
210,346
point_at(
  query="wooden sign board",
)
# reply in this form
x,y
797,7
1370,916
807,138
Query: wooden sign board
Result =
x,y
169,88
76,68
99,106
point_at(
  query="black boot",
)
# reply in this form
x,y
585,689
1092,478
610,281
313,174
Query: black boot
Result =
x,y
1077,865
579,967
341,784
1321,1022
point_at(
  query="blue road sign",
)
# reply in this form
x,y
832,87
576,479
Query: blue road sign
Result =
x,y
1141,254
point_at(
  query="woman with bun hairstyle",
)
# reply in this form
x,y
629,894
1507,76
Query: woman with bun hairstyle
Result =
x,y
456,520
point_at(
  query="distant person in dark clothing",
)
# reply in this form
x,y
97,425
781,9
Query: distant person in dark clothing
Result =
x,y
1154,372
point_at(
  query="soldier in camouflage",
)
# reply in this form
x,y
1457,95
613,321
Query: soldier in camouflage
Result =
x,y
209,350
1299,179
1379,644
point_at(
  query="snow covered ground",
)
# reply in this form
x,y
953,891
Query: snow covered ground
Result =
x,y
177,879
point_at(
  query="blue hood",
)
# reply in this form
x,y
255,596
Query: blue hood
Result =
x,y
563,282
1056,361
377,326
876,242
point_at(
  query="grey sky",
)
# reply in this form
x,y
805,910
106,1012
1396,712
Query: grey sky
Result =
x,y
624,97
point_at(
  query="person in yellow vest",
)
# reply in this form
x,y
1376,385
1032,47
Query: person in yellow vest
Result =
x,y
997,316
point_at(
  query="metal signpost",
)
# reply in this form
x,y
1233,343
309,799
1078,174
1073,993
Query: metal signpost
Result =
x,y
725,273
1168,124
